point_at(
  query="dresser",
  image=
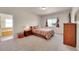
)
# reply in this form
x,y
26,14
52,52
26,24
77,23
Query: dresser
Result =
x,y
70,34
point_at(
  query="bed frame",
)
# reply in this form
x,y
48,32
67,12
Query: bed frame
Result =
x,y
27,33
42,36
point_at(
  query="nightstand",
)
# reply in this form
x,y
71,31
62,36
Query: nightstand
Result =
x,y
20,35
27,33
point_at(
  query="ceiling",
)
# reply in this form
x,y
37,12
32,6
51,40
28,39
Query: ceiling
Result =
x,y
48,10
37,10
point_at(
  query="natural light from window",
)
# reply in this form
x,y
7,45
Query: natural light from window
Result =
x,y
52,22
9,23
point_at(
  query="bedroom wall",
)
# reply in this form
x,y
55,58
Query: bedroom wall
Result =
x,y
21,18
75,13
77,18
77,36
63,18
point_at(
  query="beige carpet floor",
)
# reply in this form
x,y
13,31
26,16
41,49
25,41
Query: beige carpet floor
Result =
x,y
35,43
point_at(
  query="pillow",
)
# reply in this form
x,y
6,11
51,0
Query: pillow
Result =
x,y
34,27
27,28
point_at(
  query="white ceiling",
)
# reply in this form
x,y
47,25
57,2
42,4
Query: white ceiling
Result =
x,y
48,10
37,10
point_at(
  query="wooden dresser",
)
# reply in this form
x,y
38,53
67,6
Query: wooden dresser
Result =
x,y
70,34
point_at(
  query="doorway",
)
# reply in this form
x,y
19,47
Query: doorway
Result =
x,y
6,27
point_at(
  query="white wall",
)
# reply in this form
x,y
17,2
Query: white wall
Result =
x,y
24,19
77,19
77,22
77,36
63,18
73,13
21,18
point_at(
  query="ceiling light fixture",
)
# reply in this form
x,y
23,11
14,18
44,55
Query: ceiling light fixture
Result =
x,y
43,8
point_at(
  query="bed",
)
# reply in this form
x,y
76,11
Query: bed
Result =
x,y
46,33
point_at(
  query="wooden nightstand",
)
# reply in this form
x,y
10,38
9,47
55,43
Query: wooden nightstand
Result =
x,y
27,33
20,35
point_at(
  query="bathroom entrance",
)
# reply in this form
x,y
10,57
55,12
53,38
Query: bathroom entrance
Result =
x,y
6,27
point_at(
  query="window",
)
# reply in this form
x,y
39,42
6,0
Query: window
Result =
x,y
52,22
8,23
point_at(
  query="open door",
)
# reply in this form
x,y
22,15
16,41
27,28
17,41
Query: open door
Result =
x,y
6,27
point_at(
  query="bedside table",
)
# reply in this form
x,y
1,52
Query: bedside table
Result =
x,y
21,35
27,33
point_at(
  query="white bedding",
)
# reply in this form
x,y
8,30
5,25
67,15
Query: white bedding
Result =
x,y
45,29
45,32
